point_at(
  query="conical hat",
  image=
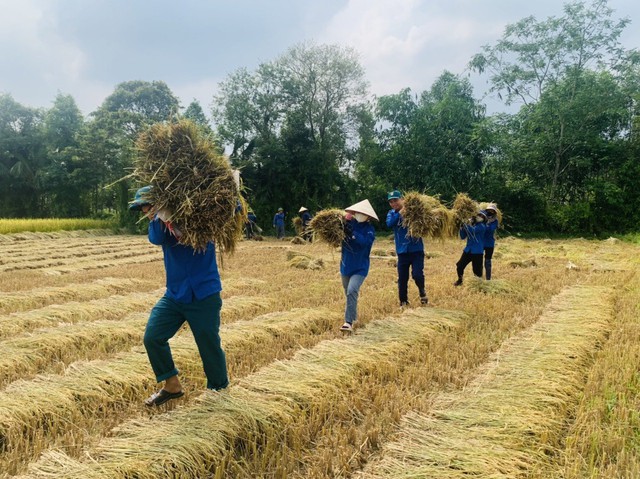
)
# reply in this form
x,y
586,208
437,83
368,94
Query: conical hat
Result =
x,y
363,207
302,208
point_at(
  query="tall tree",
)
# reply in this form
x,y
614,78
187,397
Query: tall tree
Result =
x,y
293,118
133,106
21,157
566,73
428,142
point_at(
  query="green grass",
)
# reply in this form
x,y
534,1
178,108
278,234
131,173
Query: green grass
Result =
x,y
45,225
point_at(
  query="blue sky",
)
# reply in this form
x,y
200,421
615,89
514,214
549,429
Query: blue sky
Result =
x,y
86,47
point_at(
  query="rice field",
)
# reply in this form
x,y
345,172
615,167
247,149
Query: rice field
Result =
x,y
531,375
19,225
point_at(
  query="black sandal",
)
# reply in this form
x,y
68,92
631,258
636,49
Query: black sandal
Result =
x,y
161,397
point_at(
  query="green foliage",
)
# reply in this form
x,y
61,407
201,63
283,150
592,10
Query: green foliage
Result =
x,y
289,124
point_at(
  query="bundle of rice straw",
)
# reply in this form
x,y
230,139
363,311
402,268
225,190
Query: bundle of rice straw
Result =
x,y
425,216
483,206
297,225
328,226
464,208
193,182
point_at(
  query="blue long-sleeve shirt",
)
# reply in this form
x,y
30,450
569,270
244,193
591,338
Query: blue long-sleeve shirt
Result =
x,y
191,275
404,242
278,219
306,218
489,234
356,249
474,235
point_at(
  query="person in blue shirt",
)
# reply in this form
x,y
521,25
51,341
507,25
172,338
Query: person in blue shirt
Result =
x,y
473,232
490,237
192,295
409,250
251,224
354,262
278,223
305,217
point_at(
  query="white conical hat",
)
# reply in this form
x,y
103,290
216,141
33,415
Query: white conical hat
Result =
x,y
363,207
302,208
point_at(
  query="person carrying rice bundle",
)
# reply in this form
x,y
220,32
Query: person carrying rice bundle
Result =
x,y
193,204
192,295
409,250
305,219
473,231
359,236
493,222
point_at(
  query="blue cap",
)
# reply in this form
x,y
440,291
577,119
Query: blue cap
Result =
x,y
141,198
394,194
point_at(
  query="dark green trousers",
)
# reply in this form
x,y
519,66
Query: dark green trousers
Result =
x,y
203,316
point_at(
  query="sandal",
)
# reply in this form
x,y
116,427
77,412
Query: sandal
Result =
x,y
161,397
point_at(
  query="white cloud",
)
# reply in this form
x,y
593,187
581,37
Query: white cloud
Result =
x,y
406,43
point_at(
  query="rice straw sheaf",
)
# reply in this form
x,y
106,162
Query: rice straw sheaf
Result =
x,y
297,225
464,208
37,298
424,216
249,421
193,181
111,308
513,415
304,262
328,226
53,348
90,393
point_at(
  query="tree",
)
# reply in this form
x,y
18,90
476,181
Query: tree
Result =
x,y
61,180
427,142
568,74
21,157
533,54
291,122
133,106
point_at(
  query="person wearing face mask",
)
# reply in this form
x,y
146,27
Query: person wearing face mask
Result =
x,y
354,262
473,232
410,251
489,237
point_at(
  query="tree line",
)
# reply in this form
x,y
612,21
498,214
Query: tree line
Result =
x,y
304,130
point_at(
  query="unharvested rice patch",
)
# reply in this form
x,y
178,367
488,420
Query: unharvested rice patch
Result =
x,y
254,414
506,421
39,297
111,308
91,396
35,236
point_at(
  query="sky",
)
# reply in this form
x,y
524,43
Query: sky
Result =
x,y
84,48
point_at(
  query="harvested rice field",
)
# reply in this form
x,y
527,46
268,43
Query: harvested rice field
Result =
x,y
534,374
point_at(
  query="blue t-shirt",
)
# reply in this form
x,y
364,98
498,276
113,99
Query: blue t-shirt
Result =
x,y
356,249
404,242
191,275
